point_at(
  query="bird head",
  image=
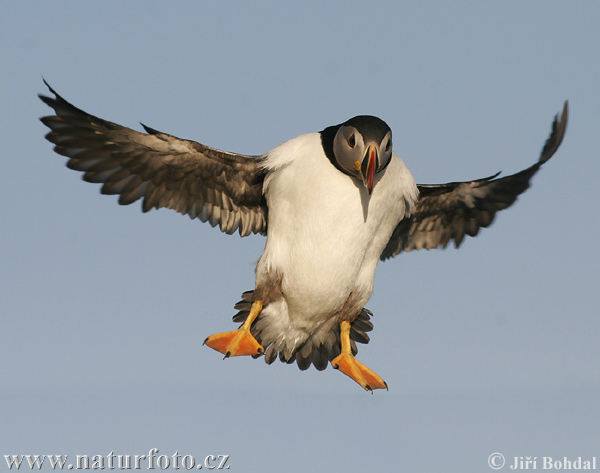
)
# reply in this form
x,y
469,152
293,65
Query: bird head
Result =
x,y
362,147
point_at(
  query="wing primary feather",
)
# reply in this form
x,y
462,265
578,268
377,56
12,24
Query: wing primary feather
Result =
x,y
450,211
161,169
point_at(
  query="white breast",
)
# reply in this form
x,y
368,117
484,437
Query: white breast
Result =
x,y
325,234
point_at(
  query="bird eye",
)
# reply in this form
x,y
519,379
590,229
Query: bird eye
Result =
x,y
352,141
388,146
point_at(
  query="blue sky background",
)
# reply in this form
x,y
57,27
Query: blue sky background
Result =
x,y
490,348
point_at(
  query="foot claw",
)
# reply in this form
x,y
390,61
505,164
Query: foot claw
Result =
x,y
350,366
353,368
240,342
237,343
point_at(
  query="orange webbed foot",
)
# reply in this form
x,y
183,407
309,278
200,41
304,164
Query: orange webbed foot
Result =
x,y
350,366
239,342
353,368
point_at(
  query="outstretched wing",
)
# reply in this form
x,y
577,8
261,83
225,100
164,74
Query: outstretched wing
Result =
x,y
221,188
450,211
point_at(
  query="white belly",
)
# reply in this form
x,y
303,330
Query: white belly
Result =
x,y
325,233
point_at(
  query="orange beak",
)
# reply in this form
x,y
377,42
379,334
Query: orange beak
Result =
x,y
369,165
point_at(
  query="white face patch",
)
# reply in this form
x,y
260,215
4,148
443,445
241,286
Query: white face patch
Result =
x,y
350,149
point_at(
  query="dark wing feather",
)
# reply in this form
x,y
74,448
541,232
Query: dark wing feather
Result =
x,y
221,188
446,212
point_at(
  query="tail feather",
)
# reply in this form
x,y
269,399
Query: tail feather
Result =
x,y
313,351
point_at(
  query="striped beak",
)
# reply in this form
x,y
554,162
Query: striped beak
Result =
x,y
369,164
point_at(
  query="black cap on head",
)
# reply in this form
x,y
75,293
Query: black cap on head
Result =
x,y
370,127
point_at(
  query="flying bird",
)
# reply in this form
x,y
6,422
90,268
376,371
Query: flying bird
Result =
x,y
332,204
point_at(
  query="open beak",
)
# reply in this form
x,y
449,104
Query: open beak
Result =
x,y
369,164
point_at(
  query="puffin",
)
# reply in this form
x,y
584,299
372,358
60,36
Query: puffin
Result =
x,y
332,205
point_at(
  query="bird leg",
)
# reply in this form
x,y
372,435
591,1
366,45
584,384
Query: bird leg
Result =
x,y
239,342
350,366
